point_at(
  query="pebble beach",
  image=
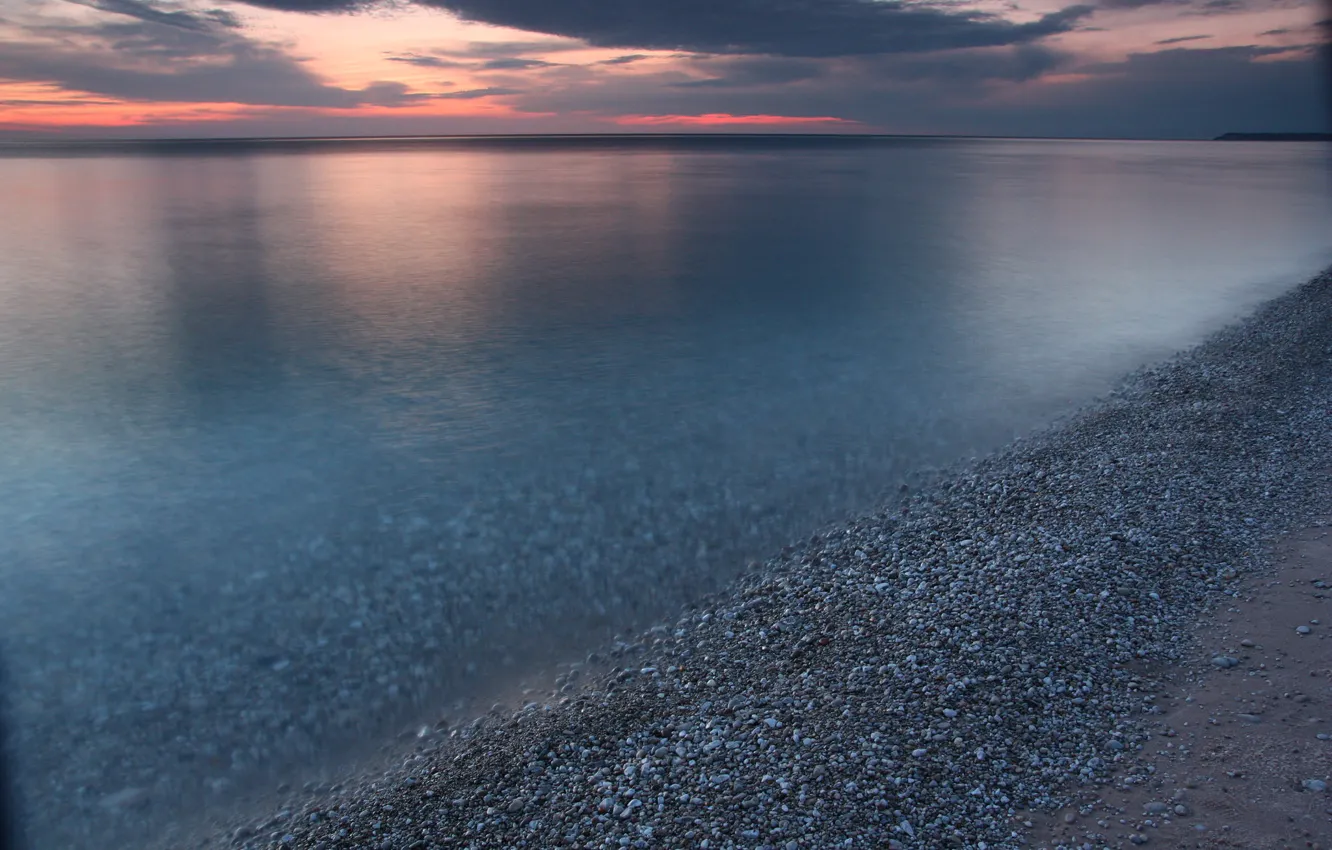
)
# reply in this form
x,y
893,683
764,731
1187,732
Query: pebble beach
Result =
x,y
988,644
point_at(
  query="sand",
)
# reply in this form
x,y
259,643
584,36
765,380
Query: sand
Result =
x,y
1241,749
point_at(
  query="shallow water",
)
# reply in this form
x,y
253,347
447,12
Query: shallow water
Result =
x,y
307,442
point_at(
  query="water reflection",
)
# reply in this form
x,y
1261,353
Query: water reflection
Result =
x,y
222,335
315,445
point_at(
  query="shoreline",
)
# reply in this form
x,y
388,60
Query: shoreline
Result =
x,y
918,676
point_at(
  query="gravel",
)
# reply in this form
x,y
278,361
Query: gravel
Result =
x,y
202,664
917,676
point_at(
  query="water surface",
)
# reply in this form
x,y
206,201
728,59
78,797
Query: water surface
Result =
x,y
304,443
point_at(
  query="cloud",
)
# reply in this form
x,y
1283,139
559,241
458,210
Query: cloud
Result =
x,y
81,101
392,93
1176,93
723,119
313,6
1205,7
1220,7
1180,93
488,56
155,15
1172,93
513,63
1279,31
175,56
421,61
494,49
1181,39
1138,4
473,94
885,64
1179,62
799,28
974,67
750,71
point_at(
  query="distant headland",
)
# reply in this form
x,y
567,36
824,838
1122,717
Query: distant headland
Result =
x,y
1274,137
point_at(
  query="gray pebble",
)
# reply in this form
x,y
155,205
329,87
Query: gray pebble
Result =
x,y
1041,578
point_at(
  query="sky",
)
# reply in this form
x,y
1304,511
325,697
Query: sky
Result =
x,y
225,68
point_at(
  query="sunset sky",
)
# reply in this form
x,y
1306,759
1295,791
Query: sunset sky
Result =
x,y
1118,68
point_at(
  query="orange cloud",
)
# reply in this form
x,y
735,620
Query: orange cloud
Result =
x,y
719,119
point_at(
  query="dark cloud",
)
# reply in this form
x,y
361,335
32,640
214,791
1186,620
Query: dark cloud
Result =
x,y
957,68
223,17
473,94
1182,62
1138,4
393,93
1281,31
497,49
1220,7
975,67
313,6
178,57
488,55
750,71
172,18
883,63
514,63
1181,39
1173,93
1202,7
425,61
809,28
1177,93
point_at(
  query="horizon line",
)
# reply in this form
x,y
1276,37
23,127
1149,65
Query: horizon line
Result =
x,y
44,140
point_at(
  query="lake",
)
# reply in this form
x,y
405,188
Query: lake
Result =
x,y
310,444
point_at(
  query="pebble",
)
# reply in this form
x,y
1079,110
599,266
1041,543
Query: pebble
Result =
x,y
1302,630
994,589
1315,785
1224,662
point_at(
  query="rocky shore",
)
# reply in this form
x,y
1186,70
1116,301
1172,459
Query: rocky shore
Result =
x,y
918,677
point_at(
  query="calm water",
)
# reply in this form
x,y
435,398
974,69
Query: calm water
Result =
x,y
303,444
